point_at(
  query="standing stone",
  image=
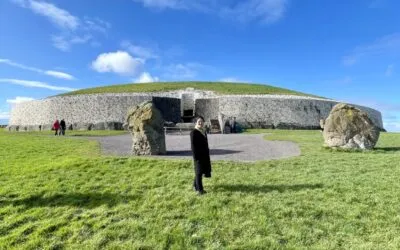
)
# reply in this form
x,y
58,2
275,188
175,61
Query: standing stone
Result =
x,y
349,127
145,123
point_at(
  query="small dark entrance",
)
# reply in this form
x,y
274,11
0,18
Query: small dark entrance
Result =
x,y
187,115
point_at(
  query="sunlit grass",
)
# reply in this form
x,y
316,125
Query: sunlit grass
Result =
x,y
58,192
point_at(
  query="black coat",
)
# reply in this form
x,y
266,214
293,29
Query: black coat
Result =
x,y
62,124
201,153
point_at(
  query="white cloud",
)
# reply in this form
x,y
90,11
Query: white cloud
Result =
x,y
179,71
120,62
64,42
389,70
162,4
56,74
232,79
266,11
229,79
4,115
35,84
18,65
387,45
139,51
96,24
345,80
19,99
349,60
390,116
60,43
73,29
185,70
60,17
145,77
392,126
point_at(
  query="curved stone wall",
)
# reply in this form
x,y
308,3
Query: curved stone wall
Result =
x,y
283,111
105,111
108,111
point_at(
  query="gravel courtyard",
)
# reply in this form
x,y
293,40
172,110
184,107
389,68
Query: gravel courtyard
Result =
x,y
235,147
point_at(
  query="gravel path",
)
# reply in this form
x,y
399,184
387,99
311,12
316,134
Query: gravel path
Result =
x,y
236,147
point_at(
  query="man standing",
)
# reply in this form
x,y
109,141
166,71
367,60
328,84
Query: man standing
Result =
x,y
234,125
63,127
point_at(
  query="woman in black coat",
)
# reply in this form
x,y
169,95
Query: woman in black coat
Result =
x,y
201,154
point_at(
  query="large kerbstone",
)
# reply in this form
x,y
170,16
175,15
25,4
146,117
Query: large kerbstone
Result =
x,y
145,123
349,127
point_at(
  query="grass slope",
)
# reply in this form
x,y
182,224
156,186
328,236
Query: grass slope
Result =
x,y
60,193
218,87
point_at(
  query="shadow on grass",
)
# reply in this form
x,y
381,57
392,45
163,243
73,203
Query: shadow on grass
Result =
x,y
89,200
265,188
212,152
388,149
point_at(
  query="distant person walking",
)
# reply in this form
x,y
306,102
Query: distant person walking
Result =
x,y
201,155
62,127
56,126
233,125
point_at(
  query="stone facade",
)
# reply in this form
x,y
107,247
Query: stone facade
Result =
x,y
109,110
208,108
283,111
86,112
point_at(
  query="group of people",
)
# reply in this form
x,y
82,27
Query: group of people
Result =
x,y
59,127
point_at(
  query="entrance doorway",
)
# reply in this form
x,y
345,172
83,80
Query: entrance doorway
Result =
x,y
187,106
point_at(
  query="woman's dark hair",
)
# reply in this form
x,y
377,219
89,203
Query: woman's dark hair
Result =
x,y
197,118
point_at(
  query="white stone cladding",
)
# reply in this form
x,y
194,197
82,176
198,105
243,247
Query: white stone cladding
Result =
x,y
277,111
283,111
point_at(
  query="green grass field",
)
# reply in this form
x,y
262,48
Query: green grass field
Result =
x,y
218,87
60,193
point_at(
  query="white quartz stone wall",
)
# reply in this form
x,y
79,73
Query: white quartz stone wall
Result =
x,y
282,111
85,109
278,111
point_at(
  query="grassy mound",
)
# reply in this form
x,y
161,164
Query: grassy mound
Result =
x,y
218,87
61,193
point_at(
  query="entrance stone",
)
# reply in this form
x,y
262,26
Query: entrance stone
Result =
x,y
145,123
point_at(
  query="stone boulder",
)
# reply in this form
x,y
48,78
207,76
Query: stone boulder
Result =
x,y
349,127
146,125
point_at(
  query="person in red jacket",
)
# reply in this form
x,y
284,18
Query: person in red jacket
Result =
x,y
56,126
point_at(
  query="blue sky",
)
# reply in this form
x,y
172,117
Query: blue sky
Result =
x,y
345,50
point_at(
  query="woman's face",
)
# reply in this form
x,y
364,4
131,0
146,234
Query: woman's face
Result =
x,y
200,123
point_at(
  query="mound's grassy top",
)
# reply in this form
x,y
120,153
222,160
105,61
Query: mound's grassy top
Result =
x,y
218,87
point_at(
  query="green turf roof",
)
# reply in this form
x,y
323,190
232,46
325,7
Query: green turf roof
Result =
x,y
217,87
